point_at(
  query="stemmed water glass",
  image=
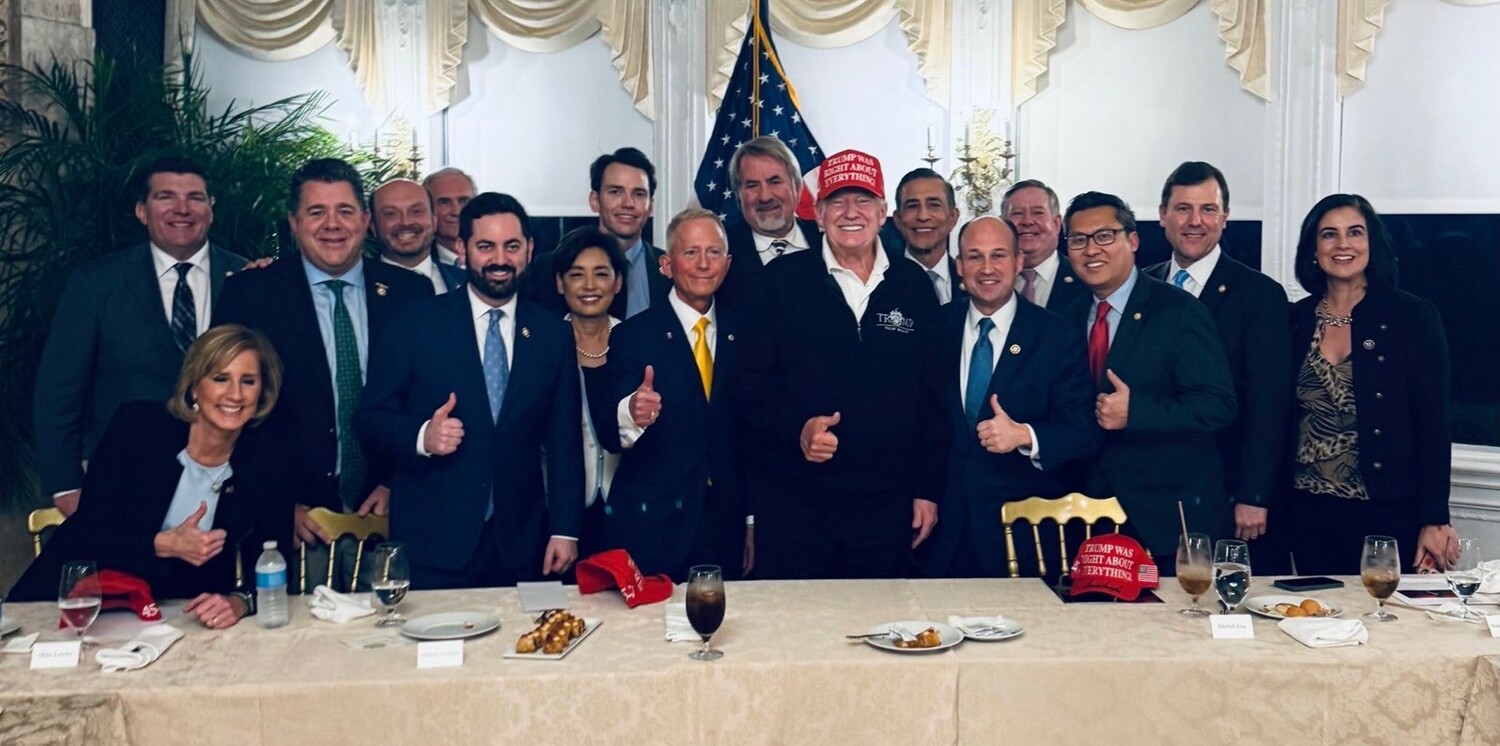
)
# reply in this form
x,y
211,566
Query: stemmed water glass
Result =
x,y
1195,570
705,607
79,595
1380,569
1231,572
392,579
1463,575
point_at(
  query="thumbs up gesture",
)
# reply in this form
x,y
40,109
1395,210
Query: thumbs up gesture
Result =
x,y
444,432
818,444
1113,410
645,403
188,542
1001,434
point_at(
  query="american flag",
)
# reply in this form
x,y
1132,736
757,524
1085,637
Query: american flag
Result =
x,y
1148,574
759,100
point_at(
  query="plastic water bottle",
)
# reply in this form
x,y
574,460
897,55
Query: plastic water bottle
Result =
x,y
270,588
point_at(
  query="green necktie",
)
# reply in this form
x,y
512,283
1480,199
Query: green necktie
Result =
x,y
348,382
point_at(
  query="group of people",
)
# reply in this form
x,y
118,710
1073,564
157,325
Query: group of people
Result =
x,y
785,397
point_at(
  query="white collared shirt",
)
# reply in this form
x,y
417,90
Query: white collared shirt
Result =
x,y
1046,278
445,255
197,280
1198,273
688,317
795,242
1003,318
857,292
426,268
481,312
942,282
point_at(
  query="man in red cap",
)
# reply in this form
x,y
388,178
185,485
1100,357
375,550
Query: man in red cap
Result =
x,y
841,391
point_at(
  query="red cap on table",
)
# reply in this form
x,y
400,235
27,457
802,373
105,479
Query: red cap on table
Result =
x,y
615,569
121,590
1113,564
850,169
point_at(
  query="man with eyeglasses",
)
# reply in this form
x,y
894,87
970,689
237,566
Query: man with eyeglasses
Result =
x,y
842,395
1163,383
1046,278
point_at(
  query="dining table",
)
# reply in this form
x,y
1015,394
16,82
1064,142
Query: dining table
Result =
x,y
1079,673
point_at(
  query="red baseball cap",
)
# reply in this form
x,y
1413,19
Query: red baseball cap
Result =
x,y
615,569
121,590
850,168
1113,564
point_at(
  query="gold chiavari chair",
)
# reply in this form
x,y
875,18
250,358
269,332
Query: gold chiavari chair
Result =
x,y
40,520
338,525
1073,506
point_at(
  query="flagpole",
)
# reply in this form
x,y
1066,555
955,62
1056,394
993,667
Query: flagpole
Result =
x,y
755,19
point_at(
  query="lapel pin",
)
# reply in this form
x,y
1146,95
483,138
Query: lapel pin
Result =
x,y
730,337
229,489
1068,279
669,335
1223,289
1369,344
525,332
381,289
1137,316
1015,349
229,273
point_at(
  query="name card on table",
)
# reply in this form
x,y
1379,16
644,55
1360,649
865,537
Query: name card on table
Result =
x,y
56,654
440,654
1493,622
1231,627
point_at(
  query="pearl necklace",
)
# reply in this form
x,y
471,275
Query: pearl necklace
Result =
x,y
593,355
1327,316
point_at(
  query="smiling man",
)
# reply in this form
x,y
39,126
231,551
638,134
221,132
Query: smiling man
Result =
x,y
1046,277
124,322
767,182
843,396
925,216
403,223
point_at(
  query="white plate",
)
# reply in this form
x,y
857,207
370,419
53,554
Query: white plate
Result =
x,y
8,625
589,625
1003,631
453,625
949,634
1266,606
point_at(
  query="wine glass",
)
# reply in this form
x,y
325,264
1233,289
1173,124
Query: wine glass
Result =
x,y
79,595
1195,570
1231,572
392,579
705,607
1380,569
1463,575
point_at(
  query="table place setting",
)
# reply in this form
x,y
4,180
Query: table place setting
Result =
x,y
986,628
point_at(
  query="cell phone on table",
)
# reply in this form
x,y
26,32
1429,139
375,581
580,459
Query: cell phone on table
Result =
x,y
1303,585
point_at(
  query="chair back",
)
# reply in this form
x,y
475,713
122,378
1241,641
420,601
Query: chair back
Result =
x,y
40,520
1073,506
338,525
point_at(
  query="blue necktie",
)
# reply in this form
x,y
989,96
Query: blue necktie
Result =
x,y
1180,279
184,314
981,366
496,366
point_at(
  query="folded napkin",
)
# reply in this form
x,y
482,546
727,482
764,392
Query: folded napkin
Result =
x,y
148,645
679,629
20,644
972,624
1326,633
339,608
1489,576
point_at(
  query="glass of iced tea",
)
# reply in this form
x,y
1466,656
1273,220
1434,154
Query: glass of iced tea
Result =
x,y
705,607
1195,569
1380,569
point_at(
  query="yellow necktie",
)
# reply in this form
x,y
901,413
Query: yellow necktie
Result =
x,y
702,357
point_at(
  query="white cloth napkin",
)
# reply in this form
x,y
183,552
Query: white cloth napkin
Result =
x,y
1326,633
1489,576
20,644
972,624
679,629
142,651
340,608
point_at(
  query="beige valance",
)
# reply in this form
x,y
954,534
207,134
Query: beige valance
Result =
x,y
447,32
1359,22
272,30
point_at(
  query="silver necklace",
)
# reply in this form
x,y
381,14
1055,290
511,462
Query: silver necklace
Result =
x,y
1327,316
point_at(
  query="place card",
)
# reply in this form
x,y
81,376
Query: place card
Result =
x,y
1493,622
1231,626
440,654
539,597
56,654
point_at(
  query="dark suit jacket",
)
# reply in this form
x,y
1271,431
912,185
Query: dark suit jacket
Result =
x,y
130,485
1401,396
1066,288
1041,379
454,277
539,283
1168,352
1248,308
278,302
438,502
656,502
741,289
110,342
960,294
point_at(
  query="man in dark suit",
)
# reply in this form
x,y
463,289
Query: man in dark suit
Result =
x,y
1019,400
401,219
678,497
1250,311
124,322
1047,278
466,391
1163,381
767,182
925,215
622,190
322,311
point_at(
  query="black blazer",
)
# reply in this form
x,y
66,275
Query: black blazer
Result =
x,y
1248,309
438,502
741,288
456,278
1401,396
1066,287
110,342
657,498
130,485
1168,352
277,301
960,293
1041,379
539,282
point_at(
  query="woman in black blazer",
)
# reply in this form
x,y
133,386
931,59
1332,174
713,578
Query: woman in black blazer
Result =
x,y
1371,442
175,492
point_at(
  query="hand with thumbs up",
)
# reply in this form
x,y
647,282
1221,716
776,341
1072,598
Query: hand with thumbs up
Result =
x,y
1113,410
444,432
189,543
818,444
645,403
1001,434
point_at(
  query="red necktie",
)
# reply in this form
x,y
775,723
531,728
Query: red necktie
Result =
x,y
1099,340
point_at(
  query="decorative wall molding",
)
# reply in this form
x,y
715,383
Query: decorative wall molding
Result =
x,y
682,122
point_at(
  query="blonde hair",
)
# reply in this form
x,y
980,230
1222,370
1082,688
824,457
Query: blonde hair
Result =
x,y
211,353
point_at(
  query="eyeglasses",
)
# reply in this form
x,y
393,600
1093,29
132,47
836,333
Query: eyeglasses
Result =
x,y
1101,237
